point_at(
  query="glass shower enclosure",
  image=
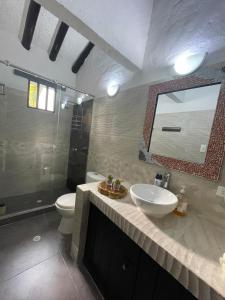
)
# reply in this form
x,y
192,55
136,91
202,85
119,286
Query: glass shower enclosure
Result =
x,y
35,144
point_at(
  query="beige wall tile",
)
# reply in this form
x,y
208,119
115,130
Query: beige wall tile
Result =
x,y
114,144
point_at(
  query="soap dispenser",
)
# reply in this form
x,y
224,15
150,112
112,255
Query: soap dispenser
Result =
x,y
158,180
181,209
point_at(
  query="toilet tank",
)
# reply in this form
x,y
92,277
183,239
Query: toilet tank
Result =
x,y
94,176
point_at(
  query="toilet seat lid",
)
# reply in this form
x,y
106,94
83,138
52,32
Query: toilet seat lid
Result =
x,y
66,201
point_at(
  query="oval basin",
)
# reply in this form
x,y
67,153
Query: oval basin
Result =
x,y
153,200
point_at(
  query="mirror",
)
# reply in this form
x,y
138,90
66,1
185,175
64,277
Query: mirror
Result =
x,y
184,125
183,122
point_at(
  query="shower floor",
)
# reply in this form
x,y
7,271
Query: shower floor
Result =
x,y
42,269
29,203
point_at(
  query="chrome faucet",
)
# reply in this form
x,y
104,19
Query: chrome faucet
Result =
x,y
166,180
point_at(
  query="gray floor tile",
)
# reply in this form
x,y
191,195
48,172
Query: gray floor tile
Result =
x,y
48,280
18,252
40,270
86,288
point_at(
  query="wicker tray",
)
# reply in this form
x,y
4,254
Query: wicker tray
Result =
x,y
105,190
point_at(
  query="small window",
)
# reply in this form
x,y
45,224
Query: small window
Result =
x,y
41,96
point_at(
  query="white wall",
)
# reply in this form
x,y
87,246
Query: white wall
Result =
x,y
176,27
184,27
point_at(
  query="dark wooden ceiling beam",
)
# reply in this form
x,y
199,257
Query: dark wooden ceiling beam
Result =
x,y
30,24
84,54
59,38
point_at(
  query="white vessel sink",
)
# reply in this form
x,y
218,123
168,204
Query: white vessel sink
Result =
x,y
153,200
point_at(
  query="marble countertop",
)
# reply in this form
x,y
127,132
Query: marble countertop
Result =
x,y
187,247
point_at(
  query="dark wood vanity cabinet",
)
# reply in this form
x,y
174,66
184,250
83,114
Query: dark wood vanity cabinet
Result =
x,y
121,269
111,257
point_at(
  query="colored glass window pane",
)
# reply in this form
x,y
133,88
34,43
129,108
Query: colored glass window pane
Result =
x,y
42,97
51,99
33,94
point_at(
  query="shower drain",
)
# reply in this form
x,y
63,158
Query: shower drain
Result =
x,y
37,238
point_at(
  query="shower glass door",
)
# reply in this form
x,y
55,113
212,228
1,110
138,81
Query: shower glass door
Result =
x,y
27,138
44,131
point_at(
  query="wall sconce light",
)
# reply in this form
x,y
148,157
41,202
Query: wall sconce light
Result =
x,y
185,65
64,105
79,100
113,89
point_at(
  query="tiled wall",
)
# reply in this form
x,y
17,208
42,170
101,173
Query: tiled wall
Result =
x,y
115,135
79,144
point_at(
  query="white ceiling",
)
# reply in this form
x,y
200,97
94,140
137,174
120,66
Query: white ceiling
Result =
x,y
44,29
10,15
72,46
123,24
161,29
11,12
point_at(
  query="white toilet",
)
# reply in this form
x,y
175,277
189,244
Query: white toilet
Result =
x,y
65,205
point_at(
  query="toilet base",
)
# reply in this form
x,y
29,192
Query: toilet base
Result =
x,y
66,225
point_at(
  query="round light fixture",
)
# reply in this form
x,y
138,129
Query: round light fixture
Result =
x,y
185,65
36,238
113,89
64,105
79,100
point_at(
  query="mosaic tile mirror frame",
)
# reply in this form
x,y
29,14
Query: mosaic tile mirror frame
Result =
x,y
210,164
